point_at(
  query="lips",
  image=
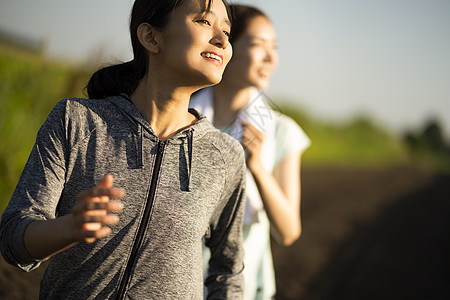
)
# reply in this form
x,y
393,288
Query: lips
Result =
x,y
213,56
265,72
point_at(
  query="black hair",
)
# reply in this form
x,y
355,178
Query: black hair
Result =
x,y
242,15
124,77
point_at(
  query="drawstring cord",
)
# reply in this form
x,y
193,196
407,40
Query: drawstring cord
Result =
x,y
189,142
140,150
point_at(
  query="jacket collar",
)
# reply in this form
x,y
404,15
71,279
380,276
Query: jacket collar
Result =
x,y
198,129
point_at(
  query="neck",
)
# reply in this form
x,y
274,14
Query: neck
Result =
x,y
229,102
166,110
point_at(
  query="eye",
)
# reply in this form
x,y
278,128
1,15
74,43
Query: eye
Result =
x,y
227,33
256,44
204,21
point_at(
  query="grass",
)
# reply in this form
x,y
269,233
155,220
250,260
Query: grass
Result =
x,y
30,86
358,142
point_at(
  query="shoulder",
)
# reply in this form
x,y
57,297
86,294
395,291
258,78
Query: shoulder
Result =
x,y
287,125
88,111
232,157
225,144
228,148
283,121
76,105
289,136
65,110
77,118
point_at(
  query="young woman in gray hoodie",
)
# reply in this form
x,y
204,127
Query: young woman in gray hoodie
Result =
x,y
177,177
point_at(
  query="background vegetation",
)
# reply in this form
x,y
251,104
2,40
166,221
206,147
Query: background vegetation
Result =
x,y
30,85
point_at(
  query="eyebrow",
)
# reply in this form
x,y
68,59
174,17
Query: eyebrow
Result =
x,y
210,12
263,39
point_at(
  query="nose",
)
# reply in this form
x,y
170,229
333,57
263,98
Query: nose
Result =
x,y
220,39
271,55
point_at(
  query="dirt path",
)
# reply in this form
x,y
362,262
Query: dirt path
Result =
x,y
367,234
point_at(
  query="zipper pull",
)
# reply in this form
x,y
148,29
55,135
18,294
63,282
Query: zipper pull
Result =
x,y
161,146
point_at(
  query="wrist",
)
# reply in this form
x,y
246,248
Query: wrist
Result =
x,y
255,165
69,231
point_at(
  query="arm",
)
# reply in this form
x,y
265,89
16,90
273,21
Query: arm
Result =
x,y
45,238
30,229
280,191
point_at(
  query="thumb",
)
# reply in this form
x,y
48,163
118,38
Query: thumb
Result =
x,y
107,181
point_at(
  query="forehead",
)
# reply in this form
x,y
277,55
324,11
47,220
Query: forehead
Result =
x,y
260,27
213,7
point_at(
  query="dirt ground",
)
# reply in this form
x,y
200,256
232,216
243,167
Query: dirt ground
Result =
x,y
367,234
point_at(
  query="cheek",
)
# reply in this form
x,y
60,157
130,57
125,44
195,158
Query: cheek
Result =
x,y
276,59
238,68
257,57
228,54
241,61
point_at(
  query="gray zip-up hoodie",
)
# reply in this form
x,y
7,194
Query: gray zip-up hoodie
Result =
x,y
177,191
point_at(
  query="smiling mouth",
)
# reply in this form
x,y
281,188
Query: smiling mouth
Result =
x,y
212,56
265,73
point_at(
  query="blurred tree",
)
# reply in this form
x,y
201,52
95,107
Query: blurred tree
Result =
x,y
429,145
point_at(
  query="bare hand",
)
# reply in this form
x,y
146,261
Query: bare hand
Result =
x,y
252,140
91,212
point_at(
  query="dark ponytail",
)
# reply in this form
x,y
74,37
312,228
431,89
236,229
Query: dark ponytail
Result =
x,y
125,77
114,80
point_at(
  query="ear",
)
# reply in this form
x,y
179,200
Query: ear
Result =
x,y
149,37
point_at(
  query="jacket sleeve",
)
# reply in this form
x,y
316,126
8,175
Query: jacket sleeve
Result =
x,y
225,278
37,192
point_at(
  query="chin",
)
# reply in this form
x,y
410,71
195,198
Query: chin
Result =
x,y
262,86
214,79
207,78
260,83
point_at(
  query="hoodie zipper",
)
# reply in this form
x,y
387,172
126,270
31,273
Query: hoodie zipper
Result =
x,y
145,218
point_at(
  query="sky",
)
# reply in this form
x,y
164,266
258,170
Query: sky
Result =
x,y
386,59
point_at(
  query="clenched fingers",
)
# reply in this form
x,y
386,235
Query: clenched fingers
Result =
x,y
101,192
85,206
252,138
90,236
92,210
108,219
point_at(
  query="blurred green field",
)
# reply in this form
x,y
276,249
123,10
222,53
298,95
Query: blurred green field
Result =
x,y
357,142
360,142
30,85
